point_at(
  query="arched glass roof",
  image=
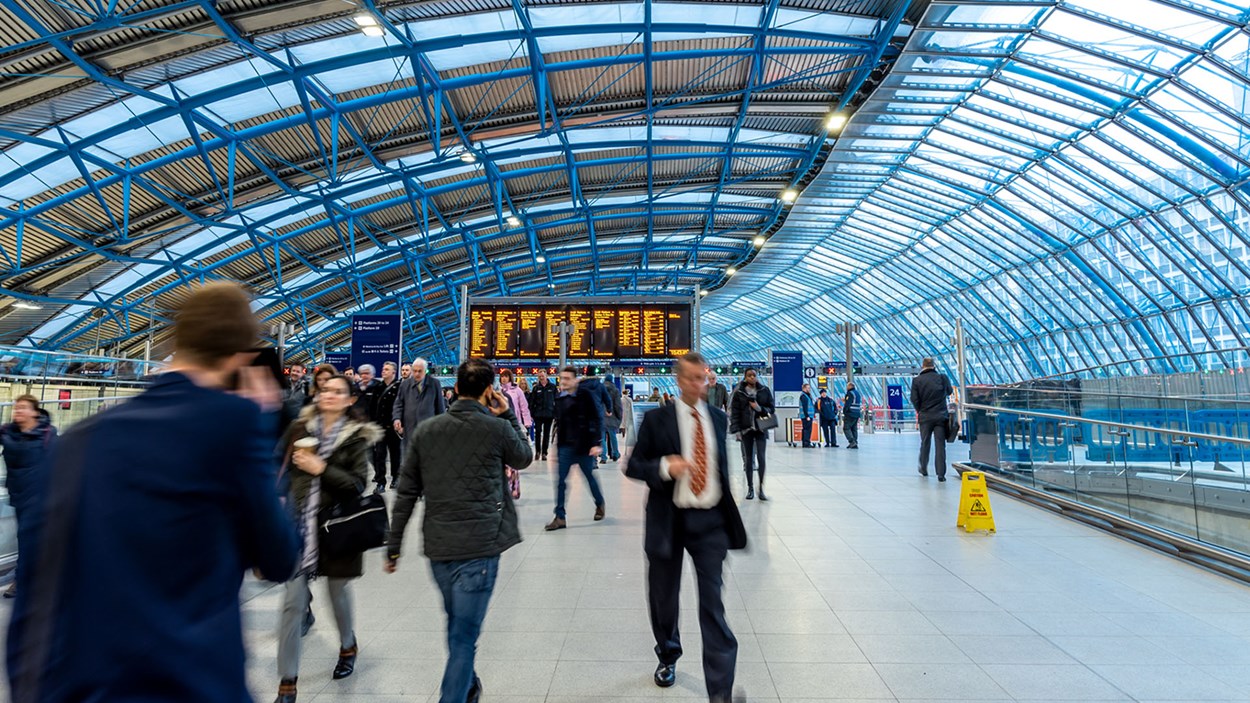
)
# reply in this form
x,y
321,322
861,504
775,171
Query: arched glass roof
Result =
x,y
1069,178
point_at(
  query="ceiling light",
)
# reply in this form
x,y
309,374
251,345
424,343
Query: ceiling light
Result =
x,y
789,195
731,270
759,241
835,122
540,259
514,221
27,306
374,31
703,292
468,157
366,19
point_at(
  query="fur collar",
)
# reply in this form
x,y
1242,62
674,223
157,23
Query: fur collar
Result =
x,y
366,430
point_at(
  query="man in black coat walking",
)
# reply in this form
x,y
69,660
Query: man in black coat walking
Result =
x,y
681,455
579,438
929,392
543,410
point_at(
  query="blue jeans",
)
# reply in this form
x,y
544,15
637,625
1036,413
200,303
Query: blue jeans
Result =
x,y
609,443
466,586
565,459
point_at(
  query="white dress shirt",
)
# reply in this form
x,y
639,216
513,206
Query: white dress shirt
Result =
x,y
683,495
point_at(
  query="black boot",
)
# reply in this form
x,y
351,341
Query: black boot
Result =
x,y
750,486
286,691
762,496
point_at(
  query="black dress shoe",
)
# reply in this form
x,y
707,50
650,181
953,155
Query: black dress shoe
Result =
x,y
923,472
762,496
941,479
751,494
347,663
665,675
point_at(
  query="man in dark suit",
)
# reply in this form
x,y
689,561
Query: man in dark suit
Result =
x,y
154,510
681,456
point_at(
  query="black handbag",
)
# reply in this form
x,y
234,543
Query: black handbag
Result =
x,y
952,427
766,422
353,526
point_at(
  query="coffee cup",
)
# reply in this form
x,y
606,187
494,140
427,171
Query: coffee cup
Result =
x,y
306,444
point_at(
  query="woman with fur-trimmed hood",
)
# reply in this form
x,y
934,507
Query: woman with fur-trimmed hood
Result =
x,y
334,468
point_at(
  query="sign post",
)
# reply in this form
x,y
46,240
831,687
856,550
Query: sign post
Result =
x,y
894,401
787,377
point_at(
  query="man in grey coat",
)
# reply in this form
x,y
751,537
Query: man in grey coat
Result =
x,y
717,394
456,462
420,398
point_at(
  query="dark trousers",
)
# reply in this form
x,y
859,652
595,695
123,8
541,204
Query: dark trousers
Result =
x,y
929,430
388,447
753,445
850,428
807,431
609,443
542,434
702,533
829,429
565,458
466,587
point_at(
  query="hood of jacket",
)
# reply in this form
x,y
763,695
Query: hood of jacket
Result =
x,y
369,431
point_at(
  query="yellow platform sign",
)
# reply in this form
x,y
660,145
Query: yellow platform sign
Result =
x,y
974,504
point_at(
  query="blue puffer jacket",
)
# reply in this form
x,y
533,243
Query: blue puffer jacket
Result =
x,y
23,453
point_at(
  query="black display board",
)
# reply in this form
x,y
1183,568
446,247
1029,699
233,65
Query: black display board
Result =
x,y
602,330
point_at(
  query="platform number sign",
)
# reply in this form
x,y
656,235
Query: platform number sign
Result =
x,y
894,397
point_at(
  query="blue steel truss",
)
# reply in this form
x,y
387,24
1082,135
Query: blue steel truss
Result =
x,y
1070,178
261,158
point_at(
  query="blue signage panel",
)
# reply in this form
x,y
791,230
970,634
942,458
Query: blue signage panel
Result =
x,y
375,340
339,360
894,397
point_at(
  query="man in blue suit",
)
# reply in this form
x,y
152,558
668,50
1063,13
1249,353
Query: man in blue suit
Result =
x,y
131,567
681,456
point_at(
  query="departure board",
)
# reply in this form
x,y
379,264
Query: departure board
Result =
x,y
505,333
678,330
579,339
603,345
552,316
654,332
628,333
482,333
525,329
531,334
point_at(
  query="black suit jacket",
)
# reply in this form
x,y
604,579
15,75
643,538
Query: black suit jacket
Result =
x,y
657,438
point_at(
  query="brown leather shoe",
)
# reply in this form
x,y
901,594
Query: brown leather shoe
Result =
x,y
599,512
556,524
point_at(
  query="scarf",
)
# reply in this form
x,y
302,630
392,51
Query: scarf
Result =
x,y
326,438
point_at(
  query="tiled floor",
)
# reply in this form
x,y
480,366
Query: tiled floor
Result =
x,y
856,586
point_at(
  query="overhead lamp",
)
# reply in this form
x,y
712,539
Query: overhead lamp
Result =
x,y
835,122
540,259
731,270
789,195
514,221
27,306
703,293
366,19
374,31
468,157
759,241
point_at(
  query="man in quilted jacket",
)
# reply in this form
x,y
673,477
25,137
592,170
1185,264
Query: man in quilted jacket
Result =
x,y
456,462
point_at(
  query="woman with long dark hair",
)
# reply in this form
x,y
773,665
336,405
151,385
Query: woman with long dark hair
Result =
x,y
328,453
751,400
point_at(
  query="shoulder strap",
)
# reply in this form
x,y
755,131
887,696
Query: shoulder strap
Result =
x,y
60,513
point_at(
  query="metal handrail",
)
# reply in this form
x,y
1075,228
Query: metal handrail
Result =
x,y
1108,423
1112,395
1109,364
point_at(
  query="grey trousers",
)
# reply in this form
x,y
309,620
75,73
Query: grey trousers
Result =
x,y
294,603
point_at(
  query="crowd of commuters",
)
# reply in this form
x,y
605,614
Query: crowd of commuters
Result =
x,y
214,458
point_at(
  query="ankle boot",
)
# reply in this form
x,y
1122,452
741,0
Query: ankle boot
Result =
x,y
750,487
286,691
762,496
347,663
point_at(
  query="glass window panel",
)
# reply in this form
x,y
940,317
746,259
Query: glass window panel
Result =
x,y
1133,47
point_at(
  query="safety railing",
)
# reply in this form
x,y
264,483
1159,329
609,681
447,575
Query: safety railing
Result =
x,y
1177,468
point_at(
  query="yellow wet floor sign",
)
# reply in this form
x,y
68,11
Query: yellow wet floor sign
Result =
x,y
974,504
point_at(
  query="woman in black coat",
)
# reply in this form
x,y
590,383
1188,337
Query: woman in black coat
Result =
x,y
25,442
751,400
335,470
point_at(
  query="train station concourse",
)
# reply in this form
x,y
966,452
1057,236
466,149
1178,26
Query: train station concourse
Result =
x,y
565,351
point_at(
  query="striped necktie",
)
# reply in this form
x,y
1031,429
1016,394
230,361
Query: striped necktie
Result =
x,y
698,479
